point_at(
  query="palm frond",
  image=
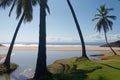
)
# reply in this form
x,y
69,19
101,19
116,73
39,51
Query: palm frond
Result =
x,y
103,19
46,5
13,5
102,8
111,17
109,23
48,9
96,18
98,15
34,2
5,3
39,1
19,8
109,9
99,11
105,27
27,10
99,25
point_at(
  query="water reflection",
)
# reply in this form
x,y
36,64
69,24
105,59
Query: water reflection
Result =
x,y
23,75
7,77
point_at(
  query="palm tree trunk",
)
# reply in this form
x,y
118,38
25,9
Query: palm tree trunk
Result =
x,y
41,66
109,44
79,30
7,60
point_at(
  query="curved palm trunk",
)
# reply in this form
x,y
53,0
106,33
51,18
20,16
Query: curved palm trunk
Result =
x,y
109,44
8,57
79,30
41,66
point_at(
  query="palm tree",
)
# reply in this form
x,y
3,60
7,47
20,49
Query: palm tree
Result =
x,y
104,22
41,65
24,5
79,30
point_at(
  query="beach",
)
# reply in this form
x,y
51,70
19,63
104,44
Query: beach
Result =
x,y
62,48
25,56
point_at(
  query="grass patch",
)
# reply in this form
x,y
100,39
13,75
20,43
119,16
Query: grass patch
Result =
x,y
3,69
82,69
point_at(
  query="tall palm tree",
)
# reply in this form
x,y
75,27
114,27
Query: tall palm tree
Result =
x,y
79,30
41,66
104,22
23,7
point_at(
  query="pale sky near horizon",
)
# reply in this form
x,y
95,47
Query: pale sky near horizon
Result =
x,y
60,23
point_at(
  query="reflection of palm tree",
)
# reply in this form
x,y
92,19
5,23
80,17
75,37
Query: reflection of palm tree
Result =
x,y
24,5
7,77
104,22
79,30
41,66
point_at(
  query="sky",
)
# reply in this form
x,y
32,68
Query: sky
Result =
x,y
60,24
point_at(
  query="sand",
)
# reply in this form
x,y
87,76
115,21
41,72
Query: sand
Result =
x,y
64,48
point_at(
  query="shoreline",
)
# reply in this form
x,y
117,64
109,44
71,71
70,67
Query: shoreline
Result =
x,y
74,48
93,48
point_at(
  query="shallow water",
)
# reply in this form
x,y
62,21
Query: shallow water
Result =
x,y
27,61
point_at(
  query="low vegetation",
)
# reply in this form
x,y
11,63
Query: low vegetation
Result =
x,y
82,69
4,70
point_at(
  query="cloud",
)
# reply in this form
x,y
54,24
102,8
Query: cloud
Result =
x,y
94,38
90,38
62,39
114,37
101,37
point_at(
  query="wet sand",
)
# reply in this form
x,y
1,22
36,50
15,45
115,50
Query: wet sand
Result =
x,y
63,48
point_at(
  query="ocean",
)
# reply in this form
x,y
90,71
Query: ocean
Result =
x,y
56,44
